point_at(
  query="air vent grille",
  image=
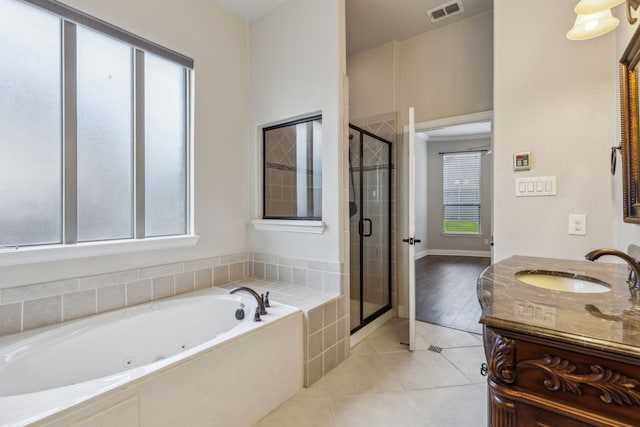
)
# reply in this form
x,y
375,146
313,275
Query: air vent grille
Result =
x,y
446,10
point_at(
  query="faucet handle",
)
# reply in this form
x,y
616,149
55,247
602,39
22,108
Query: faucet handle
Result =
x,y
256,317
265,300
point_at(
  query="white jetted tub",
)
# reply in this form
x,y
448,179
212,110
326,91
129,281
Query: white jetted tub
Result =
x,y
181,361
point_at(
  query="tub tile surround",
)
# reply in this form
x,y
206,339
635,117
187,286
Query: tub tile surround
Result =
x,y
43,304
316,287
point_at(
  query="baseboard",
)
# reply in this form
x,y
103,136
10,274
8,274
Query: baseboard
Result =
x,y
422,254
454,252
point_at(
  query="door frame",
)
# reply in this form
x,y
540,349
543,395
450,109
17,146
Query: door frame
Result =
x,y
403,291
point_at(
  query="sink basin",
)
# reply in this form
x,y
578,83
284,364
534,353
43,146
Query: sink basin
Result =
x,y
562,281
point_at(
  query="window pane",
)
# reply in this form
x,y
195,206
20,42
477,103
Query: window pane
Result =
x,y
105,186
461,192
165,148
30,123
293,170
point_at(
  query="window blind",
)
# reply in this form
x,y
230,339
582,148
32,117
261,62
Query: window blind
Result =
x,y
461,192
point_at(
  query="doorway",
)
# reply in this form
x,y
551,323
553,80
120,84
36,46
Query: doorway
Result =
x,y
369,226
445,228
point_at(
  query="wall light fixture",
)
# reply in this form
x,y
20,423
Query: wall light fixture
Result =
x,y
594,18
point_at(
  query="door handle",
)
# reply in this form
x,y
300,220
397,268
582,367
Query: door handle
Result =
x,y
370,227
411,240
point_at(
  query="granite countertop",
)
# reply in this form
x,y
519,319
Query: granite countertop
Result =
x,y
606,321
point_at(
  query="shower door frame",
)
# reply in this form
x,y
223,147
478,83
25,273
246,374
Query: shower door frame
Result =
x,y
364,321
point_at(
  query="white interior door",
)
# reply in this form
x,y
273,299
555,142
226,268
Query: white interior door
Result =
x,y
412,230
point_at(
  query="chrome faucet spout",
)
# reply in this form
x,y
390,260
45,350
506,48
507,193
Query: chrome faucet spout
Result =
x,y
634,265
261,307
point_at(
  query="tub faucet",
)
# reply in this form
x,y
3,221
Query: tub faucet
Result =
x,y
634,266
259,300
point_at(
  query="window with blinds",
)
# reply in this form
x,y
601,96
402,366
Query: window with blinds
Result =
x,y
461,192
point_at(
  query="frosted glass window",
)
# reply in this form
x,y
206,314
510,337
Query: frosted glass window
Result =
x,y
104,135
30,123
165,148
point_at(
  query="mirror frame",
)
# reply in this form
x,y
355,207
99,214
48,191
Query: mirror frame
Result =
x,y
630,132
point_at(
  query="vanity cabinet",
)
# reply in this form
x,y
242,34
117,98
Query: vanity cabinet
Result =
x,y
556,358
537,382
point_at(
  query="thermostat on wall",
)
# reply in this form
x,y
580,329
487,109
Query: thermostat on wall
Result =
x,y
522,161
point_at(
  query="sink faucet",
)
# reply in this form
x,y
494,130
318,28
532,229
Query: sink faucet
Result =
x,y
634,273
259,300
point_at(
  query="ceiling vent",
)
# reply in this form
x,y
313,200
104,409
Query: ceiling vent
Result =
x,y
441,12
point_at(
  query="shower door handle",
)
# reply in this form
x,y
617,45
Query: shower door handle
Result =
x,y
362,227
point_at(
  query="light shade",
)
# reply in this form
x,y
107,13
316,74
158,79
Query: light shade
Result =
x,y
593,25
587,7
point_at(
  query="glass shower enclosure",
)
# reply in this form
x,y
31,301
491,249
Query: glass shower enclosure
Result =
x,y
369,226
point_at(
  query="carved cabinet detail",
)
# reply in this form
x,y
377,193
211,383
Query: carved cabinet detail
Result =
x,y
536,382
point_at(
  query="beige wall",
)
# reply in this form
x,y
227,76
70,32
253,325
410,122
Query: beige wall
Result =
x,y
555,98
447,72
217,41
372,82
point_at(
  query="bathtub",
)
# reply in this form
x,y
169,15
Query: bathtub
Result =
x,y
180,361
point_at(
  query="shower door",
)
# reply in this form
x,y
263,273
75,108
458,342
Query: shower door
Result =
x,y
369,226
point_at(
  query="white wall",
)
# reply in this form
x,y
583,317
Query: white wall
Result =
x,y
555,98
297,65
217,41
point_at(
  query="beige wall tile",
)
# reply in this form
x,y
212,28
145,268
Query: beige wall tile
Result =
x,y
138,292
10,318
42,312
314,370
111,297
236,271
220,275
271,272
78,304
299,276
330,312
39,290
330,359
185,282
204,278
163,287
285,274
316,345
259,269
315,317
314,280
161,270
330,335
108,279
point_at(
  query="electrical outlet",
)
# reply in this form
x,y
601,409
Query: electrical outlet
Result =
x,y
578,224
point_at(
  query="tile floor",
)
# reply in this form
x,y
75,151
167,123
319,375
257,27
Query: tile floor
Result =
x,y
383,384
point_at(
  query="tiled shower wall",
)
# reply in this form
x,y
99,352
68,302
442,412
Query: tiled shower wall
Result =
x,y
282,176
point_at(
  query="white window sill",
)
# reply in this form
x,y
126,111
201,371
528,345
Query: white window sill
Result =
x,y
33,254
292,226
444,233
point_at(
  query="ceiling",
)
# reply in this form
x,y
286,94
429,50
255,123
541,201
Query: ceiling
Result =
x,y
371,23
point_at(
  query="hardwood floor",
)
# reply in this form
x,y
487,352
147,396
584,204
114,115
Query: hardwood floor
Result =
x,y
446,291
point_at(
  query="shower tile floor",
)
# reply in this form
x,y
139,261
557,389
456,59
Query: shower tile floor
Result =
x,y
383,384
